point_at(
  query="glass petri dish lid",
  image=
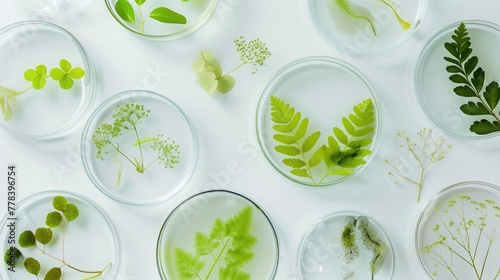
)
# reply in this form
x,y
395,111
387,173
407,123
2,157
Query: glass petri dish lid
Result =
x,y
215,225
435,92
154,19
366,27
345,245
89,233
138,147
458,228
318,121
46,80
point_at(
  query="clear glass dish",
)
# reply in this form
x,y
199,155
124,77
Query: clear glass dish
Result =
x,y
195,14
366,27
197,216
90,234
322,254
461,218
431,82
52,110
153,162
325,90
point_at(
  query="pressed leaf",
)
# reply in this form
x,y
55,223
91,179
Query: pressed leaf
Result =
x,y
478,79
201,60
459,79
355,144
27,239
188,265
453,69
316,158
342,171
53,219
59,203
287,150
294,162
71,212
451,60
341,136
285,139
348,126
226,84
204,244
470,65
140,2
451,49
232,273
53,274
16,254
351,162
76,73
165,15
65,65
302,172
57,74
218,230
125,10
66,82
310,141
485,127
208,81
282,128
492,95
30,75
32,266
474,109
43,235
302,129
464,91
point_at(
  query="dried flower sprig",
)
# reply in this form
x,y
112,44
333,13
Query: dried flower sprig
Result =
x,y
425,150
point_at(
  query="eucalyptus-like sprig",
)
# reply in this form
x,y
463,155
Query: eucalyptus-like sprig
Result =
x,y
43,238
135,16
425,149
220,253
127,119
464,235
64,75
209,71
464,71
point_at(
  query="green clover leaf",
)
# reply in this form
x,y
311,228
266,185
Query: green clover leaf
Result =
x,y
37,76
65,74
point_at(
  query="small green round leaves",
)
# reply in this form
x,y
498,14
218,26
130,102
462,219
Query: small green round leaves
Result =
x,y
32,266
210,75
65,74
27,239
71,212
43,235
37,76
53,219
53,274
59,203
13,257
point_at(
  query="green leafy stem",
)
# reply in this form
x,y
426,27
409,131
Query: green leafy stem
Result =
x,y
38,76
64,213
128,117
162,14
464,70
209,71
463,238
228,245
294,141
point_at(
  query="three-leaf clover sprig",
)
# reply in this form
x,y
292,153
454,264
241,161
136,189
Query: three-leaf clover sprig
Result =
x,y
65,75
207,67
62,215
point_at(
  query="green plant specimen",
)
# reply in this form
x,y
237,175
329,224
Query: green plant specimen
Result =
x,y
162,14
64,75
464,235
43,237
299,146
464,70
426,150
373,243
209,71
350,17
394,8
220,253
127,119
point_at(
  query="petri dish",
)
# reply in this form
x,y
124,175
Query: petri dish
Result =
x,y
324,90
41,107
148,18
322,254
461,218
203,217
90,234
433,89
366,27
150,157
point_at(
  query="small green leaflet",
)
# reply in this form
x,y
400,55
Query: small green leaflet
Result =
x,y
166,15
125,10
470,78
303,156
225,250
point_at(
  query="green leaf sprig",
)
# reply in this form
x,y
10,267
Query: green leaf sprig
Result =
x,y
464,70
209,71
464,235
63,214
128,13
299,146
127,119
64,74
221,253
426,149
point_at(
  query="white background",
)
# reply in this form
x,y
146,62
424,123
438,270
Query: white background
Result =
x,y
226,131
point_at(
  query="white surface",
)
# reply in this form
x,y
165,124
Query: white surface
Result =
x,y
226,129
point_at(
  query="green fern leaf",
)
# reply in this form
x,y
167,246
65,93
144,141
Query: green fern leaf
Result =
x,y
188,266
301,131
301,172
341,136
316,158
294,162
287,150
310,141
285,139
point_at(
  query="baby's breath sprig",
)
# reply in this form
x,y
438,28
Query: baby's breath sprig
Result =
x,y
425,150
253,52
